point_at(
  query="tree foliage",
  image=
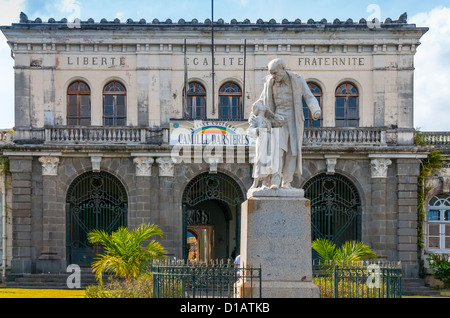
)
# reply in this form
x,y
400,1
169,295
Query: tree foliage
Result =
x,y
125,254
350,251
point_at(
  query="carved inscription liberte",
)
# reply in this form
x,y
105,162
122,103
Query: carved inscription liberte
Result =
x,y
96,61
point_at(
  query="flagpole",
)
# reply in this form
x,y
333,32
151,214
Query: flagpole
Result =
x,y
243,89
185,106
213,61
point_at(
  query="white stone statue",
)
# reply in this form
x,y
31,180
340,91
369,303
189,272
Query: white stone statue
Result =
x,y
282,96
266,149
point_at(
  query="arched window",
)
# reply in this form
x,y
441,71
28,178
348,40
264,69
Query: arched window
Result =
x,y
317,92
114,104
196,101
347,106
78,104
439,223
230,102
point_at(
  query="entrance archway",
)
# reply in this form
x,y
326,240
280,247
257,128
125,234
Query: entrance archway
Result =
x,y
94,201
211,209
335,208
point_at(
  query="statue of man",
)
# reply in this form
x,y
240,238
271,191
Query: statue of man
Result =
x,y
283,92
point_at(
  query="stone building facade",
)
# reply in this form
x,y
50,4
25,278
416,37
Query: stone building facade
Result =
x,y
104,111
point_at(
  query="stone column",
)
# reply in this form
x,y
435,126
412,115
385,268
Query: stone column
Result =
x,y
168,206
52,258
276,235
143,190
407,173
377,223
21,174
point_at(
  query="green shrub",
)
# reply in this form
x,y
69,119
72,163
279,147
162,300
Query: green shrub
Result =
x,y
440,268
140,287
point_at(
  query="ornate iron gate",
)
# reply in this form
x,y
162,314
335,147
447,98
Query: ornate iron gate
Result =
x,y
335,208
206,187
94,201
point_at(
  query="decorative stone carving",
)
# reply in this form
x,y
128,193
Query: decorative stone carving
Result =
x,y
213,165
379,167
166,166
331,162
445,184
96,162
143,166
49,166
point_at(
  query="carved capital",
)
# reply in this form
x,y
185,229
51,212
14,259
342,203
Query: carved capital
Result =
x,y
143,166
166,166
49,166
379,167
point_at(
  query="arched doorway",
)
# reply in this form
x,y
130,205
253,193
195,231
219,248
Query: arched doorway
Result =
x,y
94,201
211,210
335,208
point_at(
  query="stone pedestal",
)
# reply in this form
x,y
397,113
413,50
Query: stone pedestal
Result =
x,y
276,235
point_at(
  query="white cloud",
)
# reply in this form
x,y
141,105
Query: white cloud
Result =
x,y
432,74
70,6
9,11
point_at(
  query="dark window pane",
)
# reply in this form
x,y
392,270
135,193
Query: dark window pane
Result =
x,y
433,242
109,87
353,123
434,215
85,121
108,111
120,100
73,87
235,101
352,103
340,113
340,123
84,87
85,106
72,110
341,89
72,121
316,123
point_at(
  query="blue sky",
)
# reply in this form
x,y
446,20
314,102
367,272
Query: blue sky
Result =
x,y
225,9
432,58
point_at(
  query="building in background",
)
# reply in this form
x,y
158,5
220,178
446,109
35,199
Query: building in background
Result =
x,y
123,123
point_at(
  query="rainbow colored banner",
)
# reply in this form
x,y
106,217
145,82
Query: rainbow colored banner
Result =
x,y
233,133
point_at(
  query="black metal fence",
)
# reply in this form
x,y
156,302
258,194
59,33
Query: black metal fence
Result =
x,y
358,279
178,279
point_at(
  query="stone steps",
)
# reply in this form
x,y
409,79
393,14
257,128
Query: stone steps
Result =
x,y
417,287
49,281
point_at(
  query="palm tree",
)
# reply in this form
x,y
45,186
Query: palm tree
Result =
x,y
349,252
125,255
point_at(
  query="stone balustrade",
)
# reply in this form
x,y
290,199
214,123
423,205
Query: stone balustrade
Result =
x,y
105,135
345,136
440,139
6,136
373,136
